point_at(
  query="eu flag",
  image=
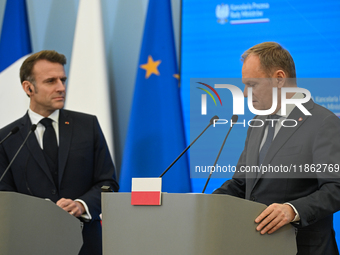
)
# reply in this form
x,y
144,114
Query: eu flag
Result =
x,y
15,38
156,133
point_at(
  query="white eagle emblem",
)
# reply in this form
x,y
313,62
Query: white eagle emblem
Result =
x,y
222,12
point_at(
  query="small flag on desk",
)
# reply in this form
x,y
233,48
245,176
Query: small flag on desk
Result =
x,y
146,191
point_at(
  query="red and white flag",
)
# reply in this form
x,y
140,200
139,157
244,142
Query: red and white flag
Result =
x,y
146,191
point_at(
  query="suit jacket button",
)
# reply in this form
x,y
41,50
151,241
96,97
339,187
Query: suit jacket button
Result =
x,y
53,192
252,199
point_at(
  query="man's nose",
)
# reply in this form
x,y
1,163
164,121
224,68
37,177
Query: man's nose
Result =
x,y
245,91
60,85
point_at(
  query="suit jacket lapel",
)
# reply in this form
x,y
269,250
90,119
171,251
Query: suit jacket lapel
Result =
x,y
65,134
34,147
253,153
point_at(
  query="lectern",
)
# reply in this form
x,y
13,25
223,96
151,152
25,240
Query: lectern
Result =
x,y
190,224
31,225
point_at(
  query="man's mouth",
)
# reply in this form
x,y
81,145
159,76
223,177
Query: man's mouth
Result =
x,y
59,98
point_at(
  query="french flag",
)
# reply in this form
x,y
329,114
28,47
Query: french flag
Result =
x,y
146,191
15,45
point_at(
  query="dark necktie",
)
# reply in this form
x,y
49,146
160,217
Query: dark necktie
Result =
x,y
269,139
50,147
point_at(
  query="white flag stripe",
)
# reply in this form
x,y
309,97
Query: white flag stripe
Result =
x,y
88,88
13,100
146,184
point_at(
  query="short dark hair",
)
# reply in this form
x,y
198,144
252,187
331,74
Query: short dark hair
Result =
x,y
272,57
26,69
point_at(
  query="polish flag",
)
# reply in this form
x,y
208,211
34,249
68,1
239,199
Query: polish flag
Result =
x,y
146,191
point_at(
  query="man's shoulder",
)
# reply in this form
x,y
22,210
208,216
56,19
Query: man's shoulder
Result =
x,y
321,113
74,114
323,109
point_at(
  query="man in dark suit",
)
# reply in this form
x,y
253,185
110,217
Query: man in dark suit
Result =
x,y
72,175
308,199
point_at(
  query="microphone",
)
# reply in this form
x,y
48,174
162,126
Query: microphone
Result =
x,y
187,148
234,119
13,131
33,127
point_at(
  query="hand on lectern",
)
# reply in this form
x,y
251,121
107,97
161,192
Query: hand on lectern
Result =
x,y
274,217
75,208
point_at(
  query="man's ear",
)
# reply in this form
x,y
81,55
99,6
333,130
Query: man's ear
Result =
x,y
26,85
280,78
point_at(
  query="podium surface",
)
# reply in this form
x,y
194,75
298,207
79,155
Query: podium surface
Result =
x,y
196,224
31,225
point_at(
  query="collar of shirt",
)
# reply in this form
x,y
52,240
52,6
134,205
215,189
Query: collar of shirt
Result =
x,y
39,132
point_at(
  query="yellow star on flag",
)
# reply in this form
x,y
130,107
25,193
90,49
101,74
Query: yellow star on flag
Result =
x,y
151,67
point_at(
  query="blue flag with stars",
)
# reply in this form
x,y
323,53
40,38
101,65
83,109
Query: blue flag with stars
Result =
x,y
156,133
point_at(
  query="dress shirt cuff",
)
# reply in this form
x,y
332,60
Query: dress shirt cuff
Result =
x,y
297,216
86,215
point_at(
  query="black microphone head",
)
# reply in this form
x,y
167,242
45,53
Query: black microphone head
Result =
x,y
34,126
213,118
15,129
234,118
